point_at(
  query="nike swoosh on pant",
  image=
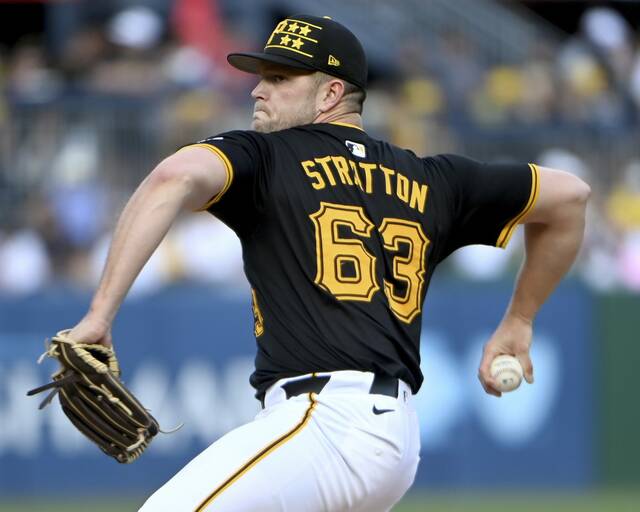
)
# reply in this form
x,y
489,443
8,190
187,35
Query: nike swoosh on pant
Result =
x,y
381,411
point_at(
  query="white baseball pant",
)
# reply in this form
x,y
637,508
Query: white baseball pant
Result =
x,y
342,449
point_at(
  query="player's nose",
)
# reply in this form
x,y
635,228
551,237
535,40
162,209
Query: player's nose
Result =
x,y
260,91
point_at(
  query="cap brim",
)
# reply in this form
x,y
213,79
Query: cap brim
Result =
x,y
250,62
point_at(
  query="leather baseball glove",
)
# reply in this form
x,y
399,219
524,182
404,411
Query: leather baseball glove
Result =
x,y
95,400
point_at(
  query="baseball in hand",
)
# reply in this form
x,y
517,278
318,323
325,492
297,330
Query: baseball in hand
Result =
x,y
507,373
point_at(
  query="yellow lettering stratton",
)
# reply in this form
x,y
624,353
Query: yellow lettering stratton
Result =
x,y
336,170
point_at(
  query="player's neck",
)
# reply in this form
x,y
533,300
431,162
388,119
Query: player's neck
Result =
x,y
340,117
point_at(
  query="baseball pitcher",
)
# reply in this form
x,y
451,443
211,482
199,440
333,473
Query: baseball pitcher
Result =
x,y
341,234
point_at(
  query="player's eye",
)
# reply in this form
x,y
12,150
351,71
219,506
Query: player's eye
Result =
x,y
276,78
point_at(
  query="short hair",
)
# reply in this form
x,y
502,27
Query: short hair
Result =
x,y
353,96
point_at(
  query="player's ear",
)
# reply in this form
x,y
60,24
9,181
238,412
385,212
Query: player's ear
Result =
x,y
331,92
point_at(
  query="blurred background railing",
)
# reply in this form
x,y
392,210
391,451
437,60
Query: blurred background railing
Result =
x,y
92,102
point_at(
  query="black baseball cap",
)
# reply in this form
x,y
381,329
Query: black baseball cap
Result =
x,y
313,43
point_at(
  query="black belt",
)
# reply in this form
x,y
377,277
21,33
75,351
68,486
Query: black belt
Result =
x,y
381,385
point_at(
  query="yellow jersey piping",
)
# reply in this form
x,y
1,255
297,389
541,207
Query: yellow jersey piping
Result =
x,y
348,125
228,169
508,230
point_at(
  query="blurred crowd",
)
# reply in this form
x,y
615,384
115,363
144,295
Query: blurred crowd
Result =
x,y
81,126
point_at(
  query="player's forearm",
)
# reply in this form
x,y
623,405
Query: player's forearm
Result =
x,y
144,222
551,249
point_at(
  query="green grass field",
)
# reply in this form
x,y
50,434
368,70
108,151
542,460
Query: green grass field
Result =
x,y
509,501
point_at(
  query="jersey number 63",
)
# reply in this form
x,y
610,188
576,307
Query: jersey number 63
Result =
x,y
335,252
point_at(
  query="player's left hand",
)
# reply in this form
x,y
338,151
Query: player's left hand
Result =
x,y
512,337
91,330
94,398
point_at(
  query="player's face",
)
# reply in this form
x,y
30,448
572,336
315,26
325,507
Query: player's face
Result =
x,y
284,97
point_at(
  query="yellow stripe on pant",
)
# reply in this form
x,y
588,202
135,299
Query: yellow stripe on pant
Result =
x,y
261,455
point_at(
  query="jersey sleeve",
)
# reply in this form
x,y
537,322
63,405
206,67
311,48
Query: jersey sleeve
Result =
x,y
486,201
246,158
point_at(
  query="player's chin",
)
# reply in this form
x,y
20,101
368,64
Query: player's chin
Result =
x,y
261,123
260,126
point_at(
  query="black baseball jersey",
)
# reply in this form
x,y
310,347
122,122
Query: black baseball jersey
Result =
x,y
340,235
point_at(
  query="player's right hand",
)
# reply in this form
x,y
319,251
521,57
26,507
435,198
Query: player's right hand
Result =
x,y
512,337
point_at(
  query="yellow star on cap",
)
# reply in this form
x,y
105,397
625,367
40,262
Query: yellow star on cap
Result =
x,y
304,31
285,40
297,43
293,27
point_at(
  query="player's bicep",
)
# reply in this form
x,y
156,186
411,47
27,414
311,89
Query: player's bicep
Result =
x,y
559,191
488,199
206,173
